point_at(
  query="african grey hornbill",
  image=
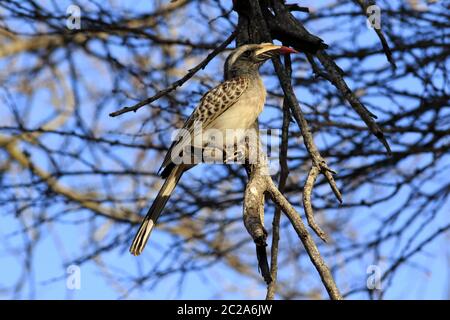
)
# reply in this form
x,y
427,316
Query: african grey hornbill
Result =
x,y
233,105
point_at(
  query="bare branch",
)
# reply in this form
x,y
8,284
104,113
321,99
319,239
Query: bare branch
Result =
x,y
179,82
387,51
307,240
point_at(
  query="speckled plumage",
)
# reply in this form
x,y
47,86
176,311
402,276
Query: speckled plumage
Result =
x,y
213,104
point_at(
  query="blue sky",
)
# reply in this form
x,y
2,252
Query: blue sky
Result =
x,y
59,244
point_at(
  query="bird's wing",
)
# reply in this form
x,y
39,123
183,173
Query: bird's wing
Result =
x,y
213,104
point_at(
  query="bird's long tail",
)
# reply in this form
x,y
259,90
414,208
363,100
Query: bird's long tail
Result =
x,y
155,210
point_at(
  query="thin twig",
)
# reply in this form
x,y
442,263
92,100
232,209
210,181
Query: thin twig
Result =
x,y
179,82
284,172
387,51
338,81
296,7
307,191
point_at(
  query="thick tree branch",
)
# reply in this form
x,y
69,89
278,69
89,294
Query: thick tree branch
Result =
x,y
307,240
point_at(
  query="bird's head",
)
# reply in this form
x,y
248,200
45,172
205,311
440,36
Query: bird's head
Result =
x,y
248,58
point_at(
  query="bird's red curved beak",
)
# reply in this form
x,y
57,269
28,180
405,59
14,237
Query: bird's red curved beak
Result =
x,y
286,50
268,50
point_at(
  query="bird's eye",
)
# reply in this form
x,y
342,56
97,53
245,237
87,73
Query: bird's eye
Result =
x,y
247,54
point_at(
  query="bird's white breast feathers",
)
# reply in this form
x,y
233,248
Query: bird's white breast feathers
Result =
x,y
240,116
